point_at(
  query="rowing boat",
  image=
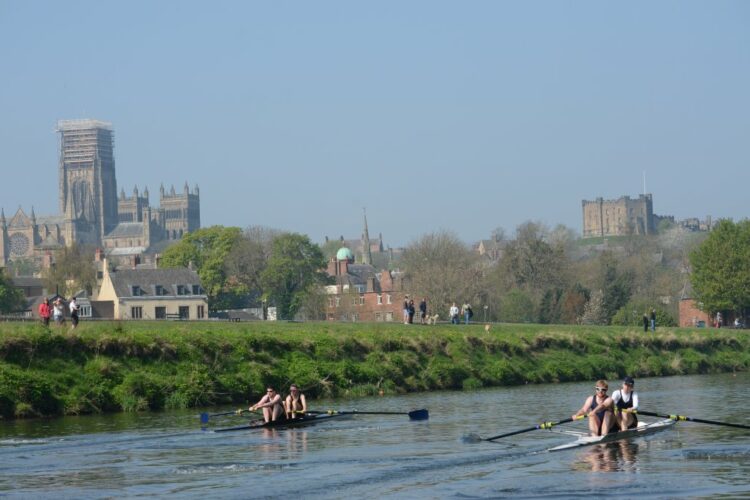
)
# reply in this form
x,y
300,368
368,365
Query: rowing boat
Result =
x,y
642,430
304,420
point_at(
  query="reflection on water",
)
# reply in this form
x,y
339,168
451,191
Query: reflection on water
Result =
x,y
617,456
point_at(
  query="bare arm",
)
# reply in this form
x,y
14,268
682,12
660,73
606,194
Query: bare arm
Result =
x,y
585,408
603,406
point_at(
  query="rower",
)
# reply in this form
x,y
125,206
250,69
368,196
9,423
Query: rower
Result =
x,y
601,419
626,404
272,405
295,403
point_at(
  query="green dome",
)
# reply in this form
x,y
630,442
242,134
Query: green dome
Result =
x,y
344,254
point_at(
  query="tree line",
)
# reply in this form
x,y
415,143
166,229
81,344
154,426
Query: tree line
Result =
x,y
542,274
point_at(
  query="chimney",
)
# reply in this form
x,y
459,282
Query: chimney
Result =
x,y
98,255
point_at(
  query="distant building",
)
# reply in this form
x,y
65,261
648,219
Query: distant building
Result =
x,y
154,293
620,217
90,211
359,293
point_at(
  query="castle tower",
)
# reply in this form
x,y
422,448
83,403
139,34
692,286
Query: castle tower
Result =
x,y
366,253
87,184
181,212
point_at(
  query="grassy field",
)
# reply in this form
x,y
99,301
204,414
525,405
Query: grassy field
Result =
x,y
137,366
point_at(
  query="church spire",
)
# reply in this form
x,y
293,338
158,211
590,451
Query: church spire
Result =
x,y
3,223
33,215
366,254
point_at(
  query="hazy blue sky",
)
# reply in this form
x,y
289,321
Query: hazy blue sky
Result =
x,y
433,115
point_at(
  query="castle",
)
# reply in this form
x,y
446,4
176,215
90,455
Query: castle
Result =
x,y
623,216
90,211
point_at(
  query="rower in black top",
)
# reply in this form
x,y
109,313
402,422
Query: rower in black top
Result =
x,y
295,403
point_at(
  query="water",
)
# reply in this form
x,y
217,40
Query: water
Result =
x,y
166,454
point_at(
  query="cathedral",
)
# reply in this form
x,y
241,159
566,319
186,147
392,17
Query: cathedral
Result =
x,y
91,212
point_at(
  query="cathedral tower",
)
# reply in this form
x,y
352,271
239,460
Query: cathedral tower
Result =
x,y
88,188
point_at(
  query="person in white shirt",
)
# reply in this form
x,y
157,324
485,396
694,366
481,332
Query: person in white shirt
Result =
x,y
624,402
454,314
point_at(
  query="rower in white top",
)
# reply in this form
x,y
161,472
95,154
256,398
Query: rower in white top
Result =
x,y
624,403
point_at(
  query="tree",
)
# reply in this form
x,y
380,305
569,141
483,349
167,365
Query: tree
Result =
x,y
721,268
295,268
516,307
73,270
615,285
207,249
631,314
594,312
442,268
247,260
11,298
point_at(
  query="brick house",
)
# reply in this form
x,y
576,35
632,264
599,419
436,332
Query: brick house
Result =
x,y
359,293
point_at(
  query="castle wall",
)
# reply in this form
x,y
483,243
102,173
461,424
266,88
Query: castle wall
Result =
x,y
620,217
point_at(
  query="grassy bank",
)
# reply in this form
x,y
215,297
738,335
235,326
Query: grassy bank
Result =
x,y
141,365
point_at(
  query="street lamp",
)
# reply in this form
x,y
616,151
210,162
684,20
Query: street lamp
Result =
x,y
485,312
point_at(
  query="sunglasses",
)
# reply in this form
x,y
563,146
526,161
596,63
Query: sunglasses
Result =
x,y
600,389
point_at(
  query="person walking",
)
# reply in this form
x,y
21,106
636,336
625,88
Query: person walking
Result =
x,y
453,313
645,322
74,308
406,309
467,312
423,310
58,312
653,320
45,312
412,311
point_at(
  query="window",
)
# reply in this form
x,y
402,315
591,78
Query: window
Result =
x,y
159,290
84,311
378,316
160,312
136,290
361,300
380,299
354,301
331,302
338,301
389,316
184,312
181,290
388,299
201,312
136,312
196,290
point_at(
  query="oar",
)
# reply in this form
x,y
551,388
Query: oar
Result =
x,y
544,425
691,419
206,416
413,415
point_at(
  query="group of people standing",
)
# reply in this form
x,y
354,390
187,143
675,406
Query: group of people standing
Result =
x,y
275,408
56,311
465,311
410,310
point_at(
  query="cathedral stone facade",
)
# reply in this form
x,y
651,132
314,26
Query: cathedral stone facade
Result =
x,y
90,210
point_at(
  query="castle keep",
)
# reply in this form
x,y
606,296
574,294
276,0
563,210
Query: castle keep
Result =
x,y
623,216
90,210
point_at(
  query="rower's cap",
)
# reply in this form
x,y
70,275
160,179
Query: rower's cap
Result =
x,y
628,380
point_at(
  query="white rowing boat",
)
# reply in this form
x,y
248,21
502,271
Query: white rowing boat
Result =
x,y
642,430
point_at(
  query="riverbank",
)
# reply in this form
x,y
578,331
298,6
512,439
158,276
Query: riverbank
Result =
x,y
104,367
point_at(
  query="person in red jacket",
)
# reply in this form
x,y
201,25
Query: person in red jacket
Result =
x,y
44,311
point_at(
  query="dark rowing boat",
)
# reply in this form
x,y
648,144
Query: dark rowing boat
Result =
x,y
307,419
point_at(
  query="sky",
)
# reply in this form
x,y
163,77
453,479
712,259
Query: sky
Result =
x,y
432,115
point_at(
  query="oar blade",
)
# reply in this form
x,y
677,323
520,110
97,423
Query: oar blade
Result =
x,y
204,418
472,438
422,414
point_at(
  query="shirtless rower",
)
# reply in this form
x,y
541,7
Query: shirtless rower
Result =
x,y
601,418
272,405
295,404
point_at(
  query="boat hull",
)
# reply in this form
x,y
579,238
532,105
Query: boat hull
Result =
x,y
307,419
642,430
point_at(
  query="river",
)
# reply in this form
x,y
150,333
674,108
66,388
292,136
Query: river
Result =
x,y
166,454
